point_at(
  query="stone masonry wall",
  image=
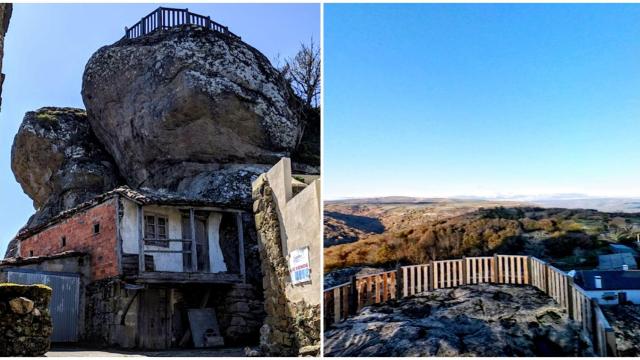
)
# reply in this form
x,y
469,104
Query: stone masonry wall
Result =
x,y
106,301
78,232
291,328
25,323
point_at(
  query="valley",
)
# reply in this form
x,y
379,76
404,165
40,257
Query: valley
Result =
x,y
385,232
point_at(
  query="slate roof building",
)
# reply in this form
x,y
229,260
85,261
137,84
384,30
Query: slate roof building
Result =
x,y
617,262
610,287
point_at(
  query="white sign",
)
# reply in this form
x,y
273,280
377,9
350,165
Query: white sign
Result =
x,y
299,266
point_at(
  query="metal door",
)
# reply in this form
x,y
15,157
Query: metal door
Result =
x,y
65,299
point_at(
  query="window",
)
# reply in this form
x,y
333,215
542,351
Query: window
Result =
x,y
96,228
30,253
155,228
64,241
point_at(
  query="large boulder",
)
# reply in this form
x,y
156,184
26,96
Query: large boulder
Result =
x,y
58,161
179,103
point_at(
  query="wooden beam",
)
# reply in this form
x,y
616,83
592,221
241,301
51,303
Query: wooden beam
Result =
x,y
118,236
241,247
140,240
194,249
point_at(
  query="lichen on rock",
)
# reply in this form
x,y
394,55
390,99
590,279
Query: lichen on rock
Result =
x,y
183,101
473,320
58,161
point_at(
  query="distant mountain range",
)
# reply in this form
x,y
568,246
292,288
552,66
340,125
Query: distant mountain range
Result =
x,y
569,201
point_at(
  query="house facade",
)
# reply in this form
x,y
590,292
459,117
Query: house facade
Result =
x,y
610,287
156,266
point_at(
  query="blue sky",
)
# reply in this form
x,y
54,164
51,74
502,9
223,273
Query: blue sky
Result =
x,y
48,45
473,99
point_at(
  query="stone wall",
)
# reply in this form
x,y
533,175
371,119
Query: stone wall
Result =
x,y
25,322
106,301
292,325
239,309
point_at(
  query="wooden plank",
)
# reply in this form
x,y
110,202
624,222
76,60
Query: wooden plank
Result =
x,y
418,274
425,276
518,270
377,279
448,273
369,297
413,279
393,285
194,248
241,247
345,302
118,235
336,305
441,270
405,282
384,287
141,268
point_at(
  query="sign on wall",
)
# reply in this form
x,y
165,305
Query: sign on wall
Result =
x,y
299,267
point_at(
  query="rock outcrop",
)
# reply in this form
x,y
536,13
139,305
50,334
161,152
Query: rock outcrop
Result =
x,y
25,323
5,16
625,320
58,161
182,111
473,320
179,103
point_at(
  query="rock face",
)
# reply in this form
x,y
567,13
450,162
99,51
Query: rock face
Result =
x,y
625,320
58,161
178,103
474,320
5,16
25,323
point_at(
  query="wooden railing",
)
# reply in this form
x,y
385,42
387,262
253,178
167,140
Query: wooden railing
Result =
x,y
165,18
347,299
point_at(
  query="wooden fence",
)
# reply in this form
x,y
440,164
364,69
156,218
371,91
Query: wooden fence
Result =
x,y
165,18
347,299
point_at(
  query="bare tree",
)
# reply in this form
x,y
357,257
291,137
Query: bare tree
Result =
x,y
303,72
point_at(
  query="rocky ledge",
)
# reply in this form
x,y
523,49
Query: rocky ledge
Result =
x,y
625,320
474,320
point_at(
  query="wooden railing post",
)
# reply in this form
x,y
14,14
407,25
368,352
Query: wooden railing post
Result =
x,y
464,271
399,293
546,278
194,253
353,296
570,297
159,11
143,26
432,278
141,262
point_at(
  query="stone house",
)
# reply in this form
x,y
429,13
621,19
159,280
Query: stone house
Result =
x,y
155,270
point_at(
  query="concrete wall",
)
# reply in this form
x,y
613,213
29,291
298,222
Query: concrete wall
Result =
x,y
300,221
287,217
169,262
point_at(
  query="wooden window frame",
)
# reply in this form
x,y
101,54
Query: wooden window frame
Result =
x,y
156,230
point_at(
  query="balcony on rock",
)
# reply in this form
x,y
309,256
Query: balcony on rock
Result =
x,y
166,18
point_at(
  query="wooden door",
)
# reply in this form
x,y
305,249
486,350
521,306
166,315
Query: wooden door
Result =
x,y
202,242
153,320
